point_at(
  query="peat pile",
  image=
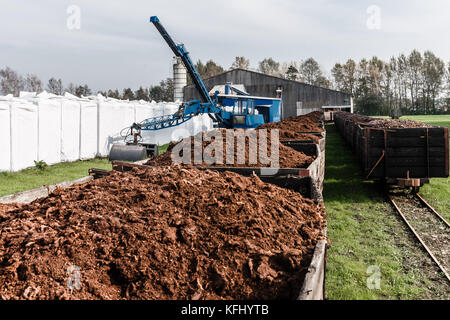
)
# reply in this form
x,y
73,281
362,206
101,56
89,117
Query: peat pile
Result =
x,y
160,233
382,123
288,157
305,123
391,123
353,116
292,135
316,116
5,208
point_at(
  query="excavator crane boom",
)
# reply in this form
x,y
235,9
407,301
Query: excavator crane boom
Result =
x,y
180,51
233,109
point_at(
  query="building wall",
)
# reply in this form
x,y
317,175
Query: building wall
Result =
x,y
258,84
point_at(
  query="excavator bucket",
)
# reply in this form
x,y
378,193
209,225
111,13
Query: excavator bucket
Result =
x,y
130,152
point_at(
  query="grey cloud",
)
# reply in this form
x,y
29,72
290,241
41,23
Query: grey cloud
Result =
x,y
117,46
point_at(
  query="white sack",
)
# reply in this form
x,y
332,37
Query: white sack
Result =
x,y
88,140
24,135
144,111
70,130
5,154
49,130
113,118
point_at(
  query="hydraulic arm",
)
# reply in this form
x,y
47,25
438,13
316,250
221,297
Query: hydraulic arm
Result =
x,y
180,51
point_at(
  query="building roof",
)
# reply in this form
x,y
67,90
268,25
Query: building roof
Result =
x,y
271,76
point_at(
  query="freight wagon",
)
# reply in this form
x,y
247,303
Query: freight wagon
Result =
x,y
307,181
407,157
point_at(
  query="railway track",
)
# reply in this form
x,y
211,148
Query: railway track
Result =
x,y
427,225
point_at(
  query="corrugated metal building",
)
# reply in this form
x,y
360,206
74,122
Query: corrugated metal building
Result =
x,y
298,98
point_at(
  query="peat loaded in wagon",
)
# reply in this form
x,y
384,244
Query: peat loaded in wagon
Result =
x,y
398,152
301,170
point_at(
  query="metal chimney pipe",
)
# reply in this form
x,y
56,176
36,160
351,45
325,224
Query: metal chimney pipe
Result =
x,y
179,79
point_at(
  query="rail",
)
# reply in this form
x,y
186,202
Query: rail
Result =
x,y
420,207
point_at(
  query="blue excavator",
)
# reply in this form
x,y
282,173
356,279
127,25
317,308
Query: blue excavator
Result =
x,y
232,109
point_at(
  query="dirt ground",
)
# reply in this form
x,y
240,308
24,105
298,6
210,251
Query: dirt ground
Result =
x,y
160,233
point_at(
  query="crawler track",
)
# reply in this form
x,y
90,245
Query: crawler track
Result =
x,y
429,227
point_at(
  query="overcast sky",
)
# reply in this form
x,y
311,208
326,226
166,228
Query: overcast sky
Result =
x,y
116,45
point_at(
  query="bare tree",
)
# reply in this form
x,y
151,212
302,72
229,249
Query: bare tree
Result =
x,y
310,72
289,70
71,88
338,77
113,94
433,75
241,63
55,86
33,83
209,69
345,76
270,67
83,91
11,82
414,68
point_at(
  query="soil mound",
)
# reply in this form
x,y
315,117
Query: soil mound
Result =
x,y
391,123
302,123
288,157
160,233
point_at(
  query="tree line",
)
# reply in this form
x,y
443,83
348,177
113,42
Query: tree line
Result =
x,y
11,82
408,84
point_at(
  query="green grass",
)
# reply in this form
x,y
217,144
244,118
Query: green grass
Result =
x,y
437,193
436,120
381,117
12,182
163,148
364,230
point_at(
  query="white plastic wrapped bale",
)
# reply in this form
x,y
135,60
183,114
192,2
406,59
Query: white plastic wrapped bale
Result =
x,y
49,144
154,110
190,126
143,111
24,137
164,136
206,123
5,137
88,136
113,117
70,130
170,108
